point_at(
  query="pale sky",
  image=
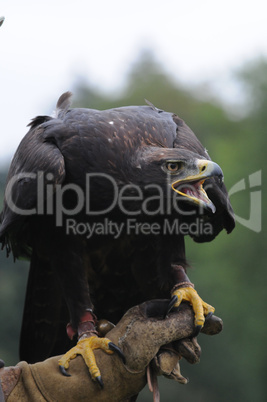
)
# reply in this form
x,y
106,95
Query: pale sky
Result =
x,y
45,45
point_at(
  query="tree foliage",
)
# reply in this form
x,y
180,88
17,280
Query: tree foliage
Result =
x,y
229,272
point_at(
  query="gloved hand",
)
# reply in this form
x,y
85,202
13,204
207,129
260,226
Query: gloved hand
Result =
x,y
151,343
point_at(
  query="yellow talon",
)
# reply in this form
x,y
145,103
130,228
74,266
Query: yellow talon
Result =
x,y
85,348
200,307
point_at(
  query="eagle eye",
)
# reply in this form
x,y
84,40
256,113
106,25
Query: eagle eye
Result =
x,y
173,166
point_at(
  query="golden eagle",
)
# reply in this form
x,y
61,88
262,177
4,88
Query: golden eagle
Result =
x,y
100,201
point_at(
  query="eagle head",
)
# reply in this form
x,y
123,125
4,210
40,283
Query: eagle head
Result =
x,y
179,173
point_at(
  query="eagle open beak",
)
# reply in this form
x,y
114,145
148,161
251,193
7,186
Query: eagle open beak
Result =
x,y
192,186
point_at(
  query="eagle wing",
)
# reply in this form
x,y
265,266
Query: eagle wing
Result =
x,y
36,163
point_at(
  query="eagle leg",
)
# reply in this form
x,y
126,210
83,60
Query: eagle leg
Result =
x,y
85,348
88,342
184,291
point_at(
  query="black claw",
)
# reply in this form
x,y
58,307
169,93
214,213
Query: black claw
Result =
x,y
2,363
170,305
209,315
197,330
116,349
100,382
64,372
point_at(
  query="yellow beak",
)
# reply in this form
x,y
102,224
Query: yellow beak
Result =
x,y
191,187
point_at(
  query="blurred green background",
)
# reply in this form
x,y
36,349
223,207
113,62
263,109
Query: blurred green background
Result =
x,y
229,272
